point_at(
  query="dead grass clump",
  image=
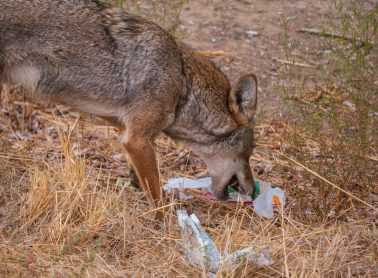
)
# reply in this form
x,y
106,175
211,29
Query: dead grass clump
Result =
x,y
73,204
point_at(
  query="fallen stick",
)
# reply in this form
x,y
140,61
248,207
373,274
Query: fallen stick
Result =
x,y
374,158
293,63
324,33
309,103
211,54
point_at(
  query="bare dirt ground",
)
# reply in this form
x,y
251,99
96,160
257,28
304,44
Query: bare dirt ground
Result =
x,y
66,207
225,25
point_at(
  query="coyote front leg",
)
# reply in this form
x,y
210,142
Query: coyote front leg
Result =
x,y
142,157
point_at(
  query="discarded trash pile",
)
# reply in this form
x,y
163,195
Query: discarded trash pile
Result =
x,y
197,245
264,199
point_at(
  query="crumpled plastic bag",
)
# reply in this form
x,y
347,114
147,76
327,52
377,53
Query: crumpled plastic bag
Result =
x,y
267,198
200,250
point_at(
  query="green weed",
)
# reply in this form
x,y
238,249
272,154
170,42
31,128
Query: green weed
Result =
x,y
334,119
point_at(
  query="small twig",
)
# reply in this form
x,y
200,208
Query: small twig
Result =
x,y
327,181
310,103
319,32
211,54
371,157
293,63
284,243
156,209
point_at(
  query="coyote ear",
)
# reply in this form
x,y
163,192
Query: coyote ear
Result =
x,y
242,99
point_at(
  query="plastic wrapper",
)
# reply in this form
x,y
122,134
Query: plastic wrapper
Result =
x,y
200,250
188,188
267,198
264,199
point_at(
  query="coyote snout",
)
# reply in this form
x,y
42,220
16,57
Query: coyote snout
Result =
x,y
97,59
230,169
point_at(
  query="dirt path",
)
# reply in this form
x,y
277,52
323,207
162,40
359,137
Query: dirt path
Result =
x,y
227,26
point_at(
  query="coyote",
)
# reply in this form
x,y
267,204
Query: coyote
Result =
x,y
100,60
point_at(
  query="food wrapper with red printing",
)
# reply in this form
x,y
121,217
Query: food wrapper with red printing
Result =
x,y
265,197
188,188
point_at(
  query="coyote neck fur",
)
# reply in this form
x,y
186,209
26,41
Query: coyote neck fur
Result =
x,y
200,114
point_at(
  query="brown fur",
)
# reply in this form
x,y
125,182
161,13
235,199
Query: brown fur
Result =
x,y
100,60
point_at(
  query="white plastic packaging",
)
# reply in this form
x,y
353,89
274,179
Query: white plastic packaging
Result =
x,y
200,250
188,188
198,247
268,198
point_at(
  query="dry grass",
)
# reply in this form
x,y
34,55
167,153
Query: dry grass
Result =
x,y
66,209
